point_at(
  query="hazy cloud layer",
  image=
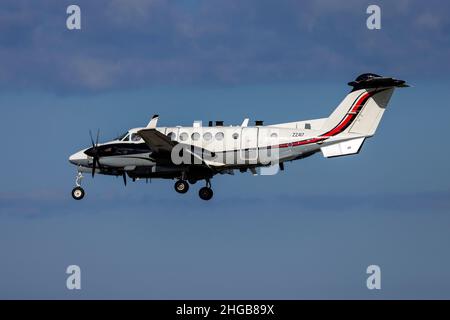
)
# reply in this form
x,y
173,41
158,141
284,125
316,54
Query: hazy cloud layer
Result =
x,y
139,43
44,204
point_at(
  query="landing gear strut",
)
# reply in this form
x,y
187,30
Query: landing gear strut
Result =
x,y
78,191
181,186
206,193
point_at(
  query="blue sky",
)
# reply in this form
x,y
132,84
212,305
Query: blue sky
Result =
x,y
309,232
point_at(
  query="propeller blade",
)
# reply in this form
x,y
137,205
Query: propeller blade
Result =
x,y
94,164
98,134
92,139
124,178
94,152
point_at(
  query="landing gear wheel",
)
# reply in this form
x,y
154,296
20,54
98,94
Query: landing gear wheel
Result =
x,y
205,193
181,186
192,181
78,193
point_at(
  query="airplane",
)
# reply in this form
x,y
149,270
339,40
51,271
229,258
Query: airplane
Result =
x,y
195,153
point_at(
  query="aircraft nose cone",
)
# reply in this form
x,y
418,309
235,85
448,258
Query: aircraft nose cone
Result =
x,y
79,158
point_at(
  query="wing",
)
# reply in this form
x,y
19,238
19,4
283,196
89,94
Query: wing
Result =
x,y
156,140
163,145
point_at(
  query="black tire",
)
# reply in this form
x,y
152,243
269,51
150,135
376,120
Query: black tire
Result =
x,y
205,193
192,181
78,193
181,186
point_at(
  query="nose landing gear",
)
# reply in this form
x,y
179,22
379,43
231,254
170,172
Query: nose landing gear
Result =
x,y
78,191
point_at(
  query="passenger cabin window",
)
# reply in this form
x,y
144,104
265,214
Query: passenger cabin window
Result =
x,y
184,136
308,126
207,136
195,136
274,135
235,135
172,135
219,136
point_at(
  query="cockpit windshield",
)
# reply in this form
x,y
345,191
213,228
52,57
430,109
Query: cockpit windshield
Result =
x,y
122,136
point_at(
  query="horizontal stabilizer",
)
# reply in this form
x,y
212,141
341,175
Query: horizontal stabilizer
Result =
x,y
371,80
343,148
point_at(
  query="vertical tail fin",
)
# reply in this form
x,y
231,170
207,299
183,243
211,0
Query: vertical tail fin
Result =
x,y
368,119
361,110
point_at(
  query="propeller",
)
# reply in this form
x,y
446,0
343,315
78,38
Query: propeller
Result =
x,y
124,175
94,152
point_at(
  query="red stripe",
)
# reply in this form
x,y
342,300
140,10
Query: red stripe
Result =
x,y
339,128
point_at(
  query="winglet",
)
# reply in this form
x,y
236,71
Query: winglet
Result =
x,y
153,122
245,122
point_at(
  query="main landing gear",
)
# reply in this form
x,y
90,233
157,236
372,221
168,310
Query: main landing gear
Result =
x,y
181,186
78,191
205,193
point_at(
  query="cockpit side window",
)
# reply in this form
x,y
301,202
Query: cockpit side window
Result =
x,y
135,137
127,137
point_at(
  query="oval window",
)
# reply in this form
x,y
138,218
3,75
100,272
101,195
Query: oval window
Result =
x,y
184,136
219,136
172,135
274,135
195,136
235,135
207,136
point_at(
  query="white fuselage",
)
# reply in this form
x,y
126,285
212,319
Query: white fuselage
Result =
x,y
230,145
